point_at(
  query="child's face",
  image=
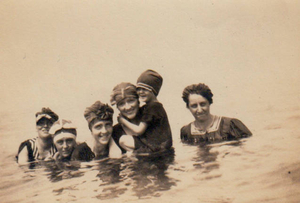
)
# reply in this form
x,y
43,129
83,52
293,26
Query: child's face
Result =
x,y
101,131
145,95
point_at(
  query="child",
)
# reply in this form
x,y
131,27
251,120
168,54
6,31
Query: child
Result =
x,y
154,130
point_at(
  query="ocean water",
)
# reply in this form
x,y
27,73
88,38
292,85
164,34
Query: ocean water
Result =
x,y
262,168
66,56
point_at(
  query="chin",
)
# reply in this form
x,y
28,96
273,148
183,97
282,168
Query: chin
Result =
x,y
143,99
131,116
65,155
104,141
45,135
201,119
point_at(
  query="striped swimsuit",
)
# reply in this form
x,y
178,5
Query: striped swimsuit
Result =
x,y
33,152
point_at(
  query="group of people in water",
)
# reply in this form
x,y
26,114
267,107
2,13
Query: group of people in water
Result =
x,y
140,130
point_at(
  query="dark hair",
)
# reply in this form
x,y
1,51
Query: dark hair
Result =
x,y
200,89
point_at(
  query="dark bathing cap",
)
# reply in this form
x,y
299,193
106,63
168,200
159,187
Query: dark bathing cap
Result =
x,y
122,91
98,112
151,81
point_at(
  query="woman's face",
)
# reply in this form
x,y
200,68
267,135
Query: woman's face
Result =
x,y
43,126
129,107
65,144
101,131
199,107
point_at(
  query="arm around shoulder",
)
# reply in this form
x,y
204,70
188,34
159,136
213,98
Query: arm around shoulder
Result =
x,y
137,129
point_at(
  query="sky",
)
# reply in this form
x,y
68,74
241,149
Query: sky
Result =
x,y
67,54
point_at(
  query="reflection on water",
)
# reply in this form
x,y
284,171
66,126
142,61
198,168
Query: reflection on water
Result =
x,y
63,170
206,156
148,175
194,171
143,177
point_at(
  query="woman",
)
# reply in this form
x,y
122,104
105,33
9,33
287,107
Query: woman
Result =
x,y
64,137
208,128
125,96
41,147
100,119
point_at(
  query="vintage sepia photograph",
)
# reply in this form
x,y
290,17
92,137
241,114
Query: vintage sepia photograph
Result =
x,y
150,101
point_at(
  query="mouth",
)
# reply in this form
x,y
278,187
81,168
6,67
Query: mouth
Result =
x,y
65,153
103,136
104,139
143,97
129,112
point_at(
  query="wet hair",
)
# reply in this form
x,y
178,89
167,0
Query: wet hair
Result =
x,y
200,89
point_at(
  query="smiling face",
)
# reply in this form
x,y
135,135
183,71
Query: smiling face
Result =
x,y
199,107
65,144
43,126
129,107
101,131
145,95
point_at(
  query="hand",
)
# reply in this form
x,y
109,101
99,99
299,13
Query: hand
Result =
x,y
49,158
56,156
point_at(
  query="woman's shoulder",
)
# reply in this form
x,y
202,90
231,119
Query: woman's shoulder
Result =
x,y
232,121
186,127
185,131
28,143
26,149
236,126
82,152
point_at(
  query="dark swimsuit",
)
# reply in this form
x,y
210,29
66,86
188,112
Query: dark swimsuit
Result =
x,y
222,128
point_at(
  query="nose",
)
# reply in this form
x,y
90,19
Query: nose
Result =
x,y
139,90
103,130
64,145
45,124
199,109
127,106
